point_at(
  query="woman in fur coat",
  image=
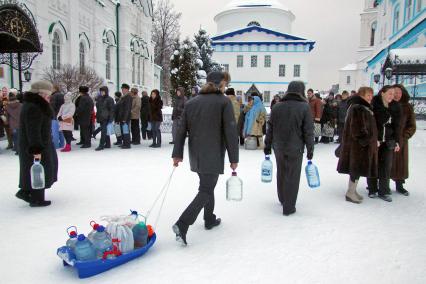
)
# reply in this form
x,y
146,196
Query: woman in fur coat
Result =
x,y
358,156
35,143
407,128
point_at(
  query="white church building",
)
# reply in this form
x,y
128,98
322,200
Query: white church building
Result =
x,y
111,36
388,27
255,44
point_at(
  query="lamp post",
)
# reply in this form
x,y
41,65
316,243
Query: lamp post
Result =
x,y
27,76
388,73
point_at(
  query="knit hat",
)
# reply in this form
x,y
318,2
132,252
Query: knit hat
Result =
x,y
125,86
12,97
13,91
83,89
296,87
41,86
230,92
216,77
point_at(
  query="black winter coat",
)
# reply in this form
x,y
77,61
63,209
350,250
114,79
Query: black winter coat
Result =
x,y
124,108
155,106
209,120
145,109
84,109
342,110
35,137
387,120
105,109
178,107
290,126
56,101
358,154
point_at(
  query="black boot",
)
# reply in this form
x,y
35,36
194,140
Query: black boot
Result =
x,y
211,225
38,200
180,230
24,195
400,188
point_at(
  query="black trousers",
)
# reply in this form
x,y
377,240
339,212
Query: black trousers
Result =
x,y
105,139
67,135
156,132
85,134
288,179
385,167
204,199
125,137
340,127
145,133
136,134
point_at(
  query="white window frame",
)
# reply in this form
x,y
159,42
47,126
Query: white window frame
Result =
x,y
240,61
56,51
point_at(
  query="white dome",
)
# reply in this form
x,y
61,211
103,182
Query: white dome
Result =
x,y
256,4
270,14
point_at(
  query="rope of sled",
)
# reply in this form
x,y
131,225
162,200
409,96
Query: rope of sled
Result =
x,y
163,193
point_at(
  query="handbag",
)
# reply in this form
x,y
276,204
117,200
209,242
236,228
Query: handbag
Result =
x,y
327,130
117,130
110,129
317,129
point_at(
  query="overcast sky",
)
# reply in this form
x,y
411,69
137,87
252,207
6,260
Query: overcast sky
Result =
x,y
333,24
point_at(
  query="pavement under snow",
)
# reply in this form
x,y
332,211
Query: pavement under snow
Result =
x,y
328,240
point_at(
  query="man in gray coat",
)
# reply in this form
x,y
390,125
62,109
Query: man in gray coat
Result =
x,y
290,129
209,120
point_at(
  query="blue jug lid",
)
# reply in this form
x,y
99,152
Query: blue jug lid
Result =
x,y
81,237
267,157
309,162
100,229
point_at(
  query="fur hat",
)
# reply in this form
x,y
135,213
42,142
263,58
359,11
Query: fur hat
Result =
x,y
41,86
230,92
83,89
217,77
125,86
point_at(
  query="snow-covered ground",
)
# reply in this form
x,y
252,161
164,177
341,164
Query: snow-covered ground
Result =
x,y
328,240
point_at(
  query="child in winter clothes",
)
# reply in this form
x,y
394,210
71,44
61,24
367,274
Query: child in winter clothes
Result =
x,y
66,121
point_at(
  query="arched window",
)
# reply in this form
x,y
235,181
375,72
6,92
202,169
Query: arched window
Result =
x,y
373,33
82,57
253,23
408,10
139,70
108,63
419,6
396,19
56,51
133,68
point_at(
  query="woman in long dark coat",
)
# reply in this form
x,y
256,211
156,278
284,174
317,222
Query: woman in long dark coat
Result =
x,y
407,126
156,117
358,156
35,142
387,113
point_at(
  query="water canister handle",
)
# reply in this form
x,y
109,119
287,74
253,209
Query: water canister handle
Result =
x,y
94,226
70,227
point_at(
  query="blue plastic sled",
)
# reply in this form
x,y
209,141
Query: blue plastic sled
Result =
x,y
90,268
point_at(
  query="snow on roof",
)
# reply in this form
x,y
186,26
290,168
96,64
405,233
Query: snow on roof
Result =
x,y
238,4
350,67
408,55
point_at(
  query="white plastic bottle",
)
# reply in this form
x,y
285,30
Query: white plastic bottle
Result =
x,y
37,175
234,188
312,175
267,170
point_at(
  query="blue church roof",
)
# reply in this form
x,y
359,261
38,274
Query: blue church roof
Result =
x,y
259,29
286,38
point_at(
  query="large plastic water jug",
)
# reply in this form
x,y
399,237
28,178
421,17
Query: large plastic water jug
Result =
x,y
125,129
117,130
101,241
312,175
267,170
234,188
72,237
95,227
250,143
84,249
140,235
37,175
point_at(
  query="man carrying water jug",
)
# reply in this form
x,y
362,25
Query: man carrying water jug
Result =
x,y
209,121
290,128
